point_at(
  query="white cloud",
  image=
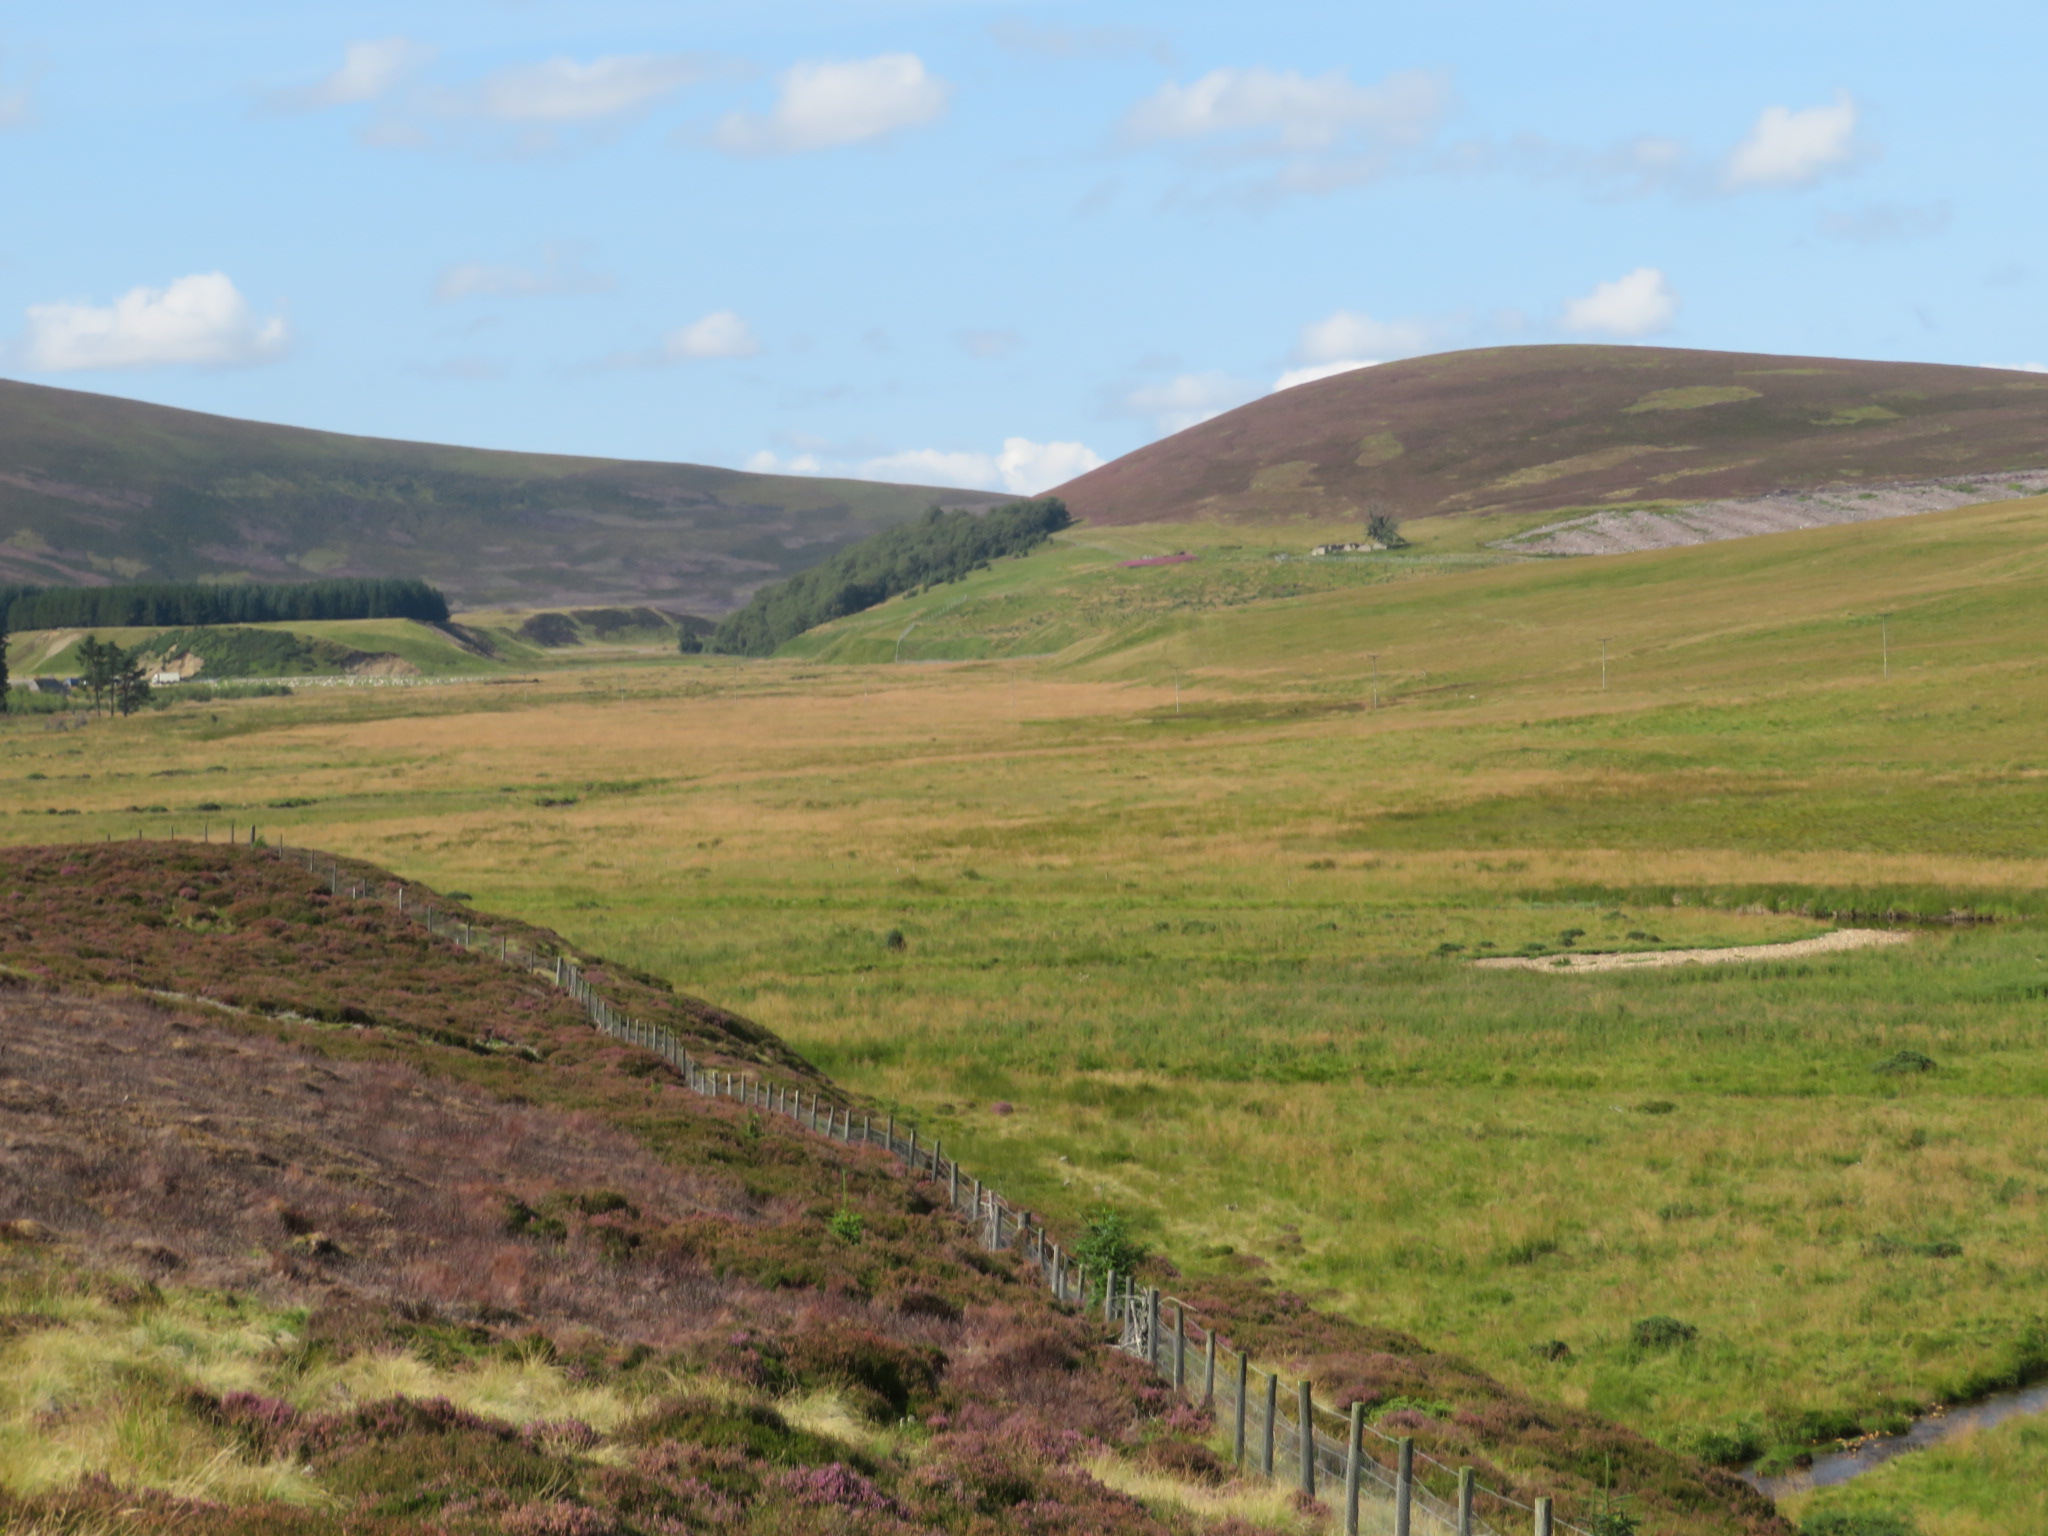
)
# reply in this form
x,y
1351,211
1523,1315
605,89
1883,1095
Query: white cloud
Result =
x,y
368,70
822,105
558,272
722,333
1022,467
1028,468
1286,112
201,320
564,91
2020,367
1789,148
1187,399
767,462
1638,304
1315,371
1348,334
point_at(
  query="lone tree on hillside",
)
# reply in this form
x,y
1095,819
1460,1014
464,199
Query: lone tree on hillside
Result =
x,y
1383,530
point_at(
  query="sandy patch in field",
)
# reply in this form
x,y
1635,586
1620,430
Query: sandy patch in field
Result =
x,y
1826,944
1623,532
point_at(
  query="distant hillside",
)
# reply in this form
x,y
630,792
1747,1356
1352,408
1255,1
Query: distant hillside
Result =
x,y
97,489
1535,429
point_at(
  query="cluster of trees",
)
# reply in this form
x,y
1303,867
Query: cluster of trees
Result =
x,y
940,546
194,602
112,676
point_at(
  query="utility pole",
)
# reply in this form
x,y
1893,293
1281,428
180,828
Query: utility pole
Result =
x,y
1603,663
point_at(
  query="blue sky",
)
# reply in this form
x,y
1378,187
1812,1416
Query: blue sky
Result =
x,y
981,243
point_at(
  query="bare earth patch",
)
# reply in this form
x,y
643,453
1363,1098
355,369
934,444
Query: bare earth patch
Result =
x,y
1826,944
1625,531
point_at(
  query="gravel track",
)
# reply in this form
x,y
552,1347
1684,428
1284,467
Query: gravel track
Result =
x,y
1650,959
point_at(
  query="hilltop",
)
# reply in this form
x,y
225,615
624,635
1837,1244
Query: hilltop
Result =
x,y
95,489
1539,429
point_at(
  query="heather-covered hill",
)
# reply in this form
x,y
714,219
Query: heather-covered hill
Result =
x,y
94,488
313,1222
1534,429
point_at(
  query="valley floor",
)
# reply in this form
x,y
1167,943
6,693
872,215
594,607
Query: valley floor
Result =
x,y
1198,952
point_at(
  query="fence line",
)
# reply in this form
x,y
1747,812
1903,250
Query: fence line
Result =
x,y
1340,1454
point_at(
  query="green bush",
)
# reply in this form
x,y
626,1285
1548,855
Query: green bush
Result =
x,y
1107,1244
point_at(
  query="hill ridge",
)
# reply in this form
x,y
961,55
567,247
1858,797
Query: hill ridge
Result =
x,y
1548,428
96,489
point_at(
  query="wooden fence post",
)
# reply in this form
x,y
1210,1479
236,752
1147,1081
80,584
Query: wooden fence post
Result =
x,y
1354,1454
1305,1432
1180,1350
1465,1490
1543,1515
1152,1326
1209,1369
1109,1297
1244,1372
953,1186
1404,1487
1272,1417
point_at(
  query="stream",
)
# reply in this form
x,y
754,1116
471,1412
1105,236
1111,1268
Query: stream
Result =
x,y
1839,1466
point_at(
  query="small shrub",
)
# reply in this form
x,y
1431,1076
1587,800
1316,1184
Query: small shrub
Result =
x,y
1107,1244
893,939
1449,948
1680,1210
1571,936
1904,1062
1556,1351
847,1225
1661,1332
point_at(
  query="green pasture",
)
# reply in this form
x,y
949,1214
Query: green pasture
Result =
x,y
1206,959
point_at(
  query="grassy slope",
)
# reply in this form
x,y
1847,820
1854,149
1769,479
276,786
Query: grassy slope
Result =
x,y
94,488
1554,427
54,652
1197,951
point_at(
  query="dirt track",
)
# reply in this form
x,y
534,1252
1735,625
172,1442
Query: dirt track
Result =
x,y
1622,532
1826,944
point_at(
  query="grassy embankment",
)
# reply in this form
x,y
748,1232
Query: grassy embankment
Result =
x,y
1199,951
326,648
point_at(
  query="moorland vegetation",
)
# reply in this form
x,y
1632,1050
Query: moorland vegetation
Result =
x,y
1540,428
97,487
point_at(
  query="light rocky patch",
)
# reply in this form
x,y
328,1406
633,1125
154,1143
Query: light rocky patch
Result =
x,y
1625,530
1650,959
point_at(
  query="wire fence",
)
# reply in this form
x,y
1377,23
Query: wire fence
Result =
x,y
1384,1485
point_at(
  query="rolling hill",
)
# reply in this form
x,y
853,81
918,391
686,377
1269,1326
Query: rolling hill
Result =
x,y
1537,429
96,489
